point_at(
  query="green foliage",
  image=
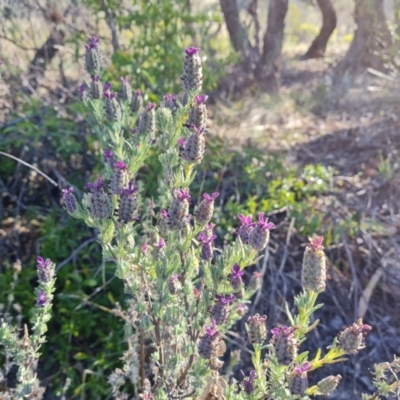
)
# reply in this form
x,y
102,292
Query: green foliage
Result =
x,y
152,36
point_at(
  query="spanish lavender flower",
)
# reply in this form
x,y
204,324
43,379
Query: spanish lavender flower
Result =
x,y
242,309
313,274
328,384
210,345
169,101
93,56
100,205
198,112
298,381
248,382
192,77
109,158
205,209
236,277
45,269
144,248
259,236
119,177
352,338
69,200
163,224
220,310
127,203
206,246
125,90
96,87
41,300
245,228
178,210
147,121
194,146
285,344
112,108
82,92
256,328
137,101
174,285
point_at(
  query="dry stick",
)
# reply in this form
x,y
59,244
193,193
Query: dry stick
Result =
x,y
30,166
75,253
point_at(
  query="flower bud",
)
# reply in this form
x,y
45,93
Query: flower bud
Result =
x,y
41,300
209,345
259,236
169,102
126,90
248,382
137,101
352,338
174,285
147,121
298,380
69,200
285,344
112,108
313,274
178,210
206,253
328,384
236,277
109,158
192,77
127,203
245,228
194,147
242,309
198,112
93,56
100,204
96,88
45,269
205,209
119,177
220,310
256,328
184,98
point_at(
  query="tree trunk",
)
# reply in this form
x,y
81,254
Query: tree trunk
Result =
x,y
371,33
270,62
329,20
237,34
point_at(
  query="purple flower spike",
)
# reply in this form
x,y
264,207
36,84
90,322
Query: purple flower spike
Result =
x,y
225,299
263,223
248,382
150,106
182,194
41,299
236,276
211,330
144,248
200,98
191,51
246,221
120,165
41,263
108,153
82,88
211,198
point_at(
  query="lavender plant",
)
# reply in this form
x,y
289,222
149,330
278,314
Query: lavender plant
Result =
x,y
182,293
